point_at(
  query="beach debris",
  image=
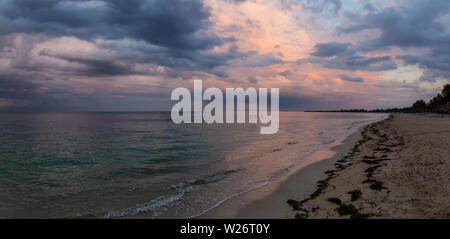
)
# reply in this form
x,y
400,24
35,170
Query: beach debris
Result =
x,y
370,161
349,209
296,205
372,169
368,157
335,201
345,209
301,215
339,166
331,172
383,149
375,185
359,216
356,194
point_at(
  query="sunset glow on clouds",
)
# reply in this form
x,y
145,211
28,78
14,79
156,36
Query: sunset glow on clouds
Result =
x,y
109,55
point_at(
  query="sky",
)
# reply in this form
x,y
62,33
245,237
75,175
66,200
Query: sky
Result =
x,y
115,55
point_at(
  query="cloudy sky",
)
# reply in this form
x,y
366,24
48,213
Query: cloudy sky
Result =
x,y
110,55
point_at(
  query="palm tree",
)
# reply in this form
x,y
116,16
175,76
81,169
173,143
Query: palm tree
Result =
x,y
446,93
419,106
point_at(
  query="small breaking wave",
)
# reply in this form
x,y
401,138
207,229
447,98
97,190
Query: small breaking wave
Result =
x,y
150,206
228,198
164,201
206,180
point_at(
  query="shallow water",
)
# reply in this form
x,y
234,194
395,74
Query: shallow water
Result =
x,y
113,165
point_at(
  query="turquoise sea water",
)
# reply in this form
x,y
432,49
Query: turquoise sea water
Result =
x,y
120,165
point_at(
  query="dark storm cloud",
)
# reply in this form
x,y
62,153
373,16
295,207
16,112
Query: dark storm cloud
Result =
x,y
415,25
255,60
252,79
142,34
169,23
23,95
351,79
94,67
340,56
318,6
179,59
369,7
284,73
172,33
18,92
14,82
355,63
436,65
236,1
330,49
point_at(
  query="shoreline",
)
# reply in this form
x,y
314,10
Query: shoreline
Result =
x,y
399,169
270,201
343,161
301,183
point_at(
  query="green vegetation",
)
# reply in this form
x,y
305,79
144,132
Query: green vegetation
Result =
x,y
439,104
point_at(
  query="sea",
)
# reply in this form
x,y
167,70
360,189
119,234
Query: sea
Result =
x,y
126,165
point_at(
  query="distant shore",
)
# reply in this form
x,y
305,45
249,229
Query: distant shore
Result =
x,y
399,169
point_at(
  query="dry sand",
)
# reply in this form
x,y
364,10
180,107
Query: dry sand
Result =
x,y
399,169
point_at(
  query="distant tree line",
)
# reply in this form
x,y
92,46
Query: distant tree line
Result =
x,y
439,104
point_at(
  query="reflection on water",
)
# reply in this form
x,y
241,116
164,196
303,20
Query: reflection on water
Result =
x,y
55,165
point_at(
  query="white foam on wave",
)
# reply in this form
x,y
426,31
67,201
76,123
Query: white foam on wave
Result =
x,y
230,197
150,206
167,200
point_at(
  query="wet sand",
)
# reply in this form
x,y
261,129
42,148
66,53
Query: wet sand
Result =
x,y
399,169
300,184
270,201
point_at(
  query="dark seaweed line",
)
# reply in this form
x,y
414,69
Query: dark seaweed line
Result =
x,y
374,164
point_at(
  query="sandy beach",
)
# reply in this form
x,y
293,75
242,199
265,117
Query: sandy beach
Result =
x,y
399,169
270,201
396,168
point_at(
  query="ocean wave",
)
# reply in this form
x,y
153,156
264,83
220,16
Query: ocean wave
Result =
x,y
228,198
153,205
205,180
164,201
